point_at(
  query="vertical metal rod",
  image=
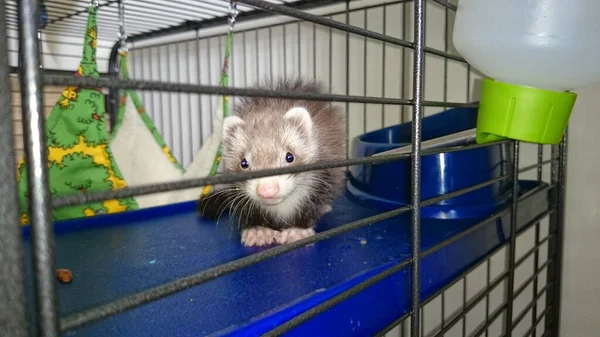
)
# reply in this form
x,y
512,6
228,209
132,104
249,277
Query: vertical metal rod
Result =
x,y
535,280
487,296
402,328
220,64
536,256
189,109
299,53
159,113
418,70
256,55
271,54
347,77
403,60
198,63
383,67
113,93
169,110
557,224
445,93
180,98
245,47
284,52
365,23
210,82
314,51
443,320
464,319
150,94
232,71
331,64
512,247
42,236
540,168
13,319
468,83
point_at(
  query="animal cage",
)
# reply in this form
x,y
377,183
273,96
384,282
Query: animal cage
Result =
x,y
457,240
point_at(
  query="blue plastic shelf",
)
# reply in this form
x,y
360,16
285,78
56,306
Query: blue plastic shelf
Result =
x,y
115,255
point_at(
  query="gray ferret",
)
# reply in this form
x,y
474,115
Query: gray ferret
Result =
x,y
267,133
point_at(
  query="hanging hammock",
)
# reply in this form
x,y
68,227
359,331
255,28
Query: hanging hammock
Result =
x,y
138,147
136,142
79,155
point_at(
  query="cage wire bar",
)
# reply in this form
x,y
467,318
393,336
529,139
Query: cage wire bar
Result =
x,y
32,78
37,171
13,320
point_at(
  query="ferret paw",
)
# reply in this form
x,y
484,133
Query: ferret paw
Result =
x,y
294,234
325,209
259,236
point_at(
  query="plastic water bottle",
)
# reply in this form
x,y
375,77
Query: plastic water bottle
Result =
x,y
534,51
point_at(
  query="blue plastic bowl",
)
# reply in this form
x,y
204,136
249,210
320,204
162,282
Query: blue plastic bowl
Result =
x,y
388,185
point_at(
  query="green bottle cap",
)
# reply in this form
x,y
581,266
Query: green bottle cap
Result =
x,y
522,113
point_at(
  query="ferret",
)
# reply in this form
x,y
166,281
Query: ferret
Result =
x,y
268,133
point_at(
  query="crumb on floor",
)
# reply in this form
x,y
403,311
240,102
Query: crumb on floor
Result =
x,y
64,275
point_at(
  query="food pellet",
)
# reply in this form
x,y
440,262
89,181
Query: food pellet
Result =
x,y
64,275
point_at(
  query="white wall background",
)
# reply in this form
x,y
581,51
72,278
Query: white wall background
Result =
x,y
375,69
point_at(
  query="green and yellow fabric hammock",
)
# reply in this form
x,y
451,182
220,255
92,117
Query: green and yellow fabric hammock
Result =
x,y
79,155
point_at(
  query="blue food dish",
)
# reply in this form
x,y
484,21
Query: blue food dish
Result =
x,y
387,185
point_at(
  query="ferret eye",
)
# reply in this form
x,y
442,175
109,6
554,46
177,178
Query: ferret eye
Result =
x,y
289,157
244,163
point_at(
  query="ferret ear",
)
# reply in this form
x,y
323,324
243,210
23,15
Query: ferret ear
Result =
x,y
230,123
301,117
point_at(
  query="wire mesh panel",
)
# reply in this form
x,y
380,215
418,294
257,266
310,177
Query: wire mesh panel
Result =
x,y
384,63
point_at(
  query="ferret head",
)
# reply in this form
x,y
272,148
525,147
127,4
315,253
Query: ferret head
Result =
x,y
264,140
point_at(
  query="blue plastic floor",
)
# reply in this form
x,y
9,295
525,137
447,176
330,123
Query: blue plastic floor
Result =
x,y
115,255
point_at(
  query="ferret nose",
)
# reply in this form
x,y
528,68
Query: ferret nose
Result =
x,y
267,190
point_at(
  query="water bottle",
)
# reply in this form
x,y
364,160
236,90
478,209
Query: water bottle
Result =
x,y
534,52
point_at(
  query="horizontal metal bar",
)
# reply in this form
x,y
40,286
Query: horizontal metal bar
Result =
x,y
303,317
531,278
465,137
446,4
472,304
530,305
491,320
253,29
158,292
231,91
53,72
284,10
83,198
532,250
534,166
538,320
220,21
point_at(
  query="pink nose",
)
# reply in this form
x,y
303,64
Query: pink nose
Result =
x,y
267,190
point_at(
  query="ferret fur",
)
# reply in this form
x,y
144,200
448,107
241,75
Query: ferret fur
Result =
x,y
263,131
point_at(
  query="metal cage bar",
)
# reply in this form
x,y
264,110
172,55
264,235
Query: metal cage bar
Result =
x,y
417,115
13,320
37,172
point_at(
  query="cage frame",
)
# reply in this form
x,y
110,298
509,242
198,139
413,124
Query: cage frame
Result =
x,y
32,79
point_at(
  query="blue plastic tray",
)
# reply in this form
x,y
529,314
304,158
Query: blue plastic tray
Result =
x,y
116,255
388,185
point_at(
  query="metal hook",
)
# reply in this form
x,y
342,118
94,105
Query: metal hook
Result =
x,y
233,12
121,33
